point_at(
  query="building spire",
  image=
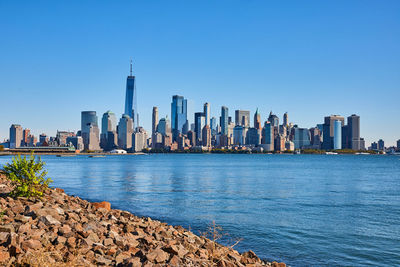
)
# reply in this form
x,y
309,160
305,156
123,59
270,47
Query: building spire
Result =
x,y
131,69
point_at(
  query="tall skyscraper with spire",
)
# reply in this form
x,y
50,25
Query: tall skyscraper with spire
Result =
x,y
130,98
257,120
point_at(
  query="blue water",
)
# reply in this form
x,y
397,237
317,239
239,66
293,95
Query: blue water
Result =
x,y
305,210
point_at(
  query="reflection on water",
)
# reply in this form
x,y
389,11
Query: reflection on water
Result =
x,y
300,209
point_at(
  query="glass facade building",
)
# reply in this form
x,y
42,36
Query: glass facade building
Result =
x,y
337,134
88,118
301,138
224,121
130,99
179,122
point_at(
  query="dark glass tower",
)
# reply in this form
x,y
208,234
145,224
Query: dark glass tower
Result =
x,y
179,123
130,98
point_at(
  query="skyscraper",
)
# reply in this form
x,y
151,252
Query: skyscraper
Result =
x,y
130,98
154,120
125,131
206,136
337,134
179,123
88,118
328,130
25,136
90,130
268,136
199,123
15,136
257,120
286,119
164,126
273,119
108,124
242,118
207,113
381,145
213,125
301,137
398,144
224,121
353,124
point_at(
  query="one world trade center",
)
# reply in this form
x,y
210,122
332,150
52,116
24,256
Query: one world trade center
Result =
x,y
130,99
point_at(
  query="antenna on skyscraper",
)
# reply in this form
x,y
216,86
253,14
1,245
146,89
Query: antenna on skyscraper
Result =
x,y
131,68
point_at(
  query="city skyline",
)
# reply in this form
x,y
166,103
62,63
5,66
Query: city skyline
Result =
x,y
284,61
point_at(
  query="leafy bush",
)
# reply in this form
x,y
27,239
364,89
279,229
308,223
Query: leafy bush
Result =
x,y
28,176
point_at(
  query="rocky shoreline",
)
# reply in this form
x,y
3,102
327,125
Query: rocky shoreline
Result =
x,y
63,230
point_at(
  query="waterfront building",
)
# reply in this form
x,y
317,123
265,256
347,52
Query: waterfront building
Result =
x,y
88,118
32,140
280,143
257,120
315,140
238,135
381,145
16,138
206,136
353,123
43,139
301,137
76,141
139,139
166,140
268,134
213,126
285,119
125,131
328,130
164,126
25,136
179,122
231,125
224,120
130,98
337,135
156,140
108,124
199,123
154,123
282,130
191,135
61,137
398,144
91,138
242,118
273,119
207,111
253,136
112,141
289,145
374,146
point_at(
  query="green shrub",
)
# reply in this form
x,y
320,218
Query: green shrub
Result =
x,y
28,176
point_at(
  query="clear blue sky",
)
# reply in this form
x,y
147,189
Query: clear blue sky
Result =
x,y
309,58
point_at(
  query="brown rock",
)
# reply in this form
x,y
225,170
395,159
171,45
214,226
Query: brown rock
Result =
x,y
71,241
61,240
105,205
157,256
32,244
48,220
175,261
9,228
59,190
108,242
4,256
121,257
65,230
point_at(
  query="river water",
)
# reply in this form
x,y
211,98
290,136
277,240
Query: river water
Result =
x,y
304,210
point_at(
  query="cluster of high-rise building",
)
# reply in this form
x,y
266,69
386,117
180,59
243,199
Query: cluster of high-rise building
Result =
x,y
206,132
